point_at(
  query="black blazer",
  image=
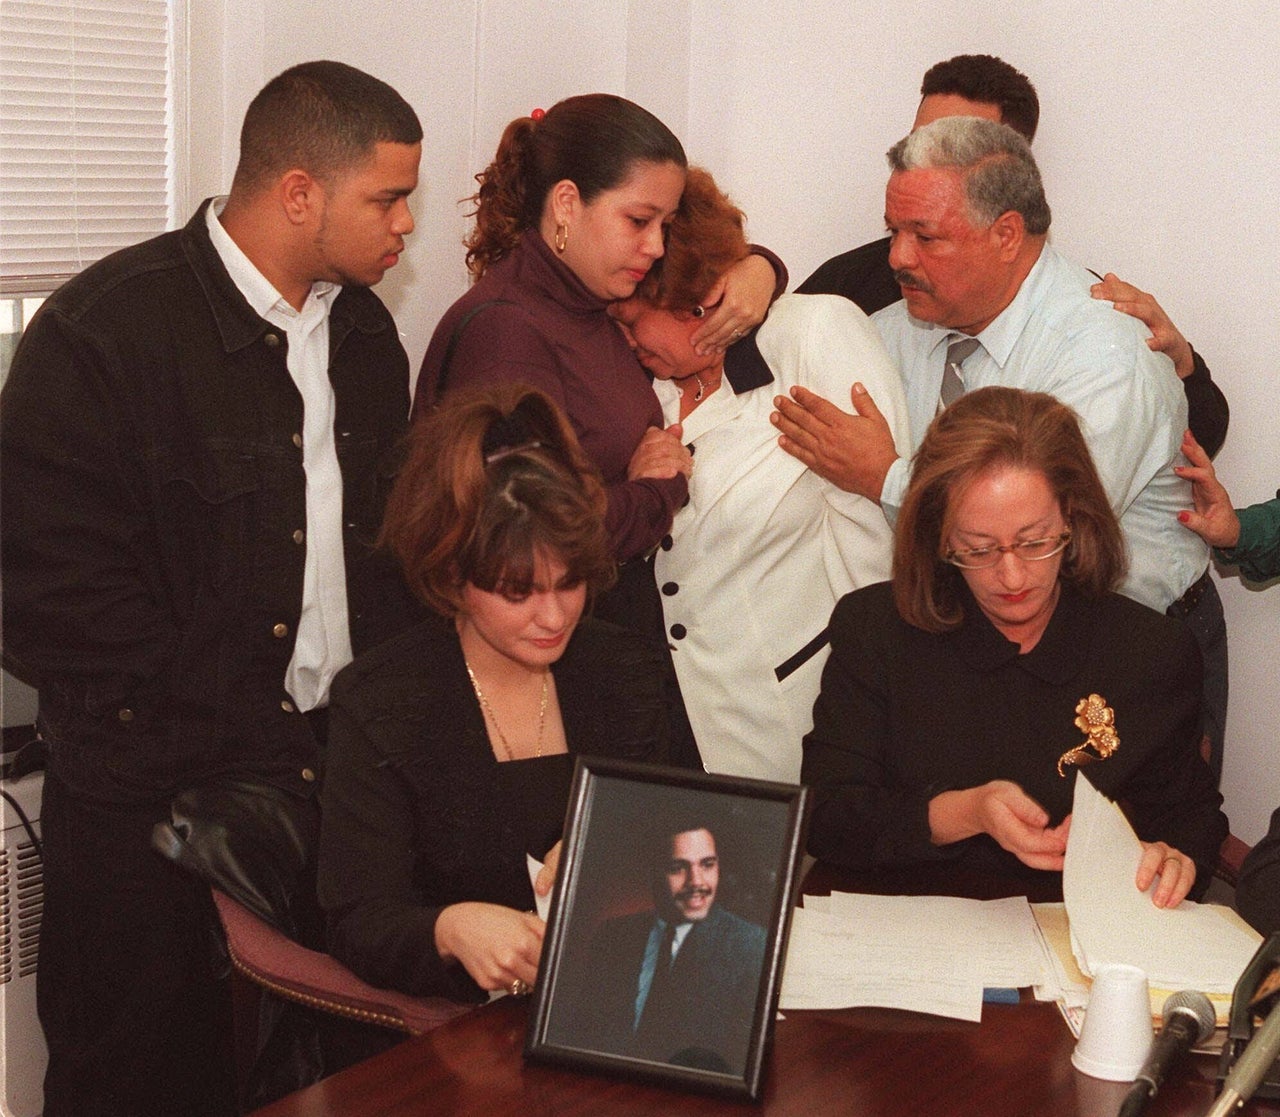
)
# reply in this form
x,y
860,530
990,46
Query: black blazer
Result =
x,y
419,814
701,1018
905,714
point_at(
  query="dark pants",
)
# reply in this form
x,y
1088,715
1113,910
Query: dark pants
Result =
x,y
1209,627
136,1019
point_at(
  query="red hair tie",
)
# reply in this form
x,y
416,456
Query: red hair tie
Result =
x,y
537,114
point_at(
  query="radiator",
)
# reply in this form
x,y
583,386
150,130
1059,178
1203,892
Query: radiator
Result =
x,y
22,1050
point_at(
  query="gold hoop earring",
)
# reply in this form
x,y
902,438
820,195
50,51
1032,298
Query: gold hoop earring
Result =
x,y
562,236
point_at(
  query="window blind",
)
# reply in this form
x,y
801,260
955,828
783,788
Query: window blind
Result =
x,y
86,134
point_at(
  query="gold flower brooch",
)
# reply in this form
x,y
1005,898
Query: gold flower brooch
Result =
x,y
1097,721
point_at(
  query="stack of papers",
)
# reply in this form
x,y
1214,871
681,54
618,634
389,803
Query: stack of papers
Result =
x,y
1070,987
1188,947
926,953
937,954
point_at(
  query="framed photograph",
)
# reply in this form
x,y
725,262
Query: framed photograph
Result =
x,y
668,926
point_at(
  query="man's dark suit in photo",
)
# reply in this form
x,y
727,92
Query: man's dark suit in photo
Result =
x,y
678,984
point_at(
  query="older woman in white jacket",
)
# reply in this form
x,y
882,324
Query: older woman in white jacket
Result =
x,y
758,557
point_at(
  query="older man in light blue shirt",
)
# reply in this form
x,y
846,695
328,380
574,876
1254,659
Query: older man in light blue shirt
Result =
x,y
1053,337
966,210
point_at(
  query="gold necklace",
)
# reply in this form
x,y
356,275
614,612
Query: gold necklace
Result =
x,y
493,718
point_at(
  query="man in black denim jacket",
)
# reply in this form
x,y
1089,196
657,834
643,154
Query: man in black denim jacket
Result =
x,y
156,565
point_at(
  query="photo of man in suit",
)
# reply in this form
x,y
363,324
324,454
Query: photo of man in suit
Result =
x,y
676,984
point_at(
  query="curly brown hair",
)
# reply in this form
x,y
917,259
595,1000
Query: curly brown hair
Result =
x,y
493,481
704,240
594,140
984,430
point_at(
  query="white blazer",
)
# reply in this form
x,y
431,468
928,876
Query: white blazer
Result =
x,y
763,550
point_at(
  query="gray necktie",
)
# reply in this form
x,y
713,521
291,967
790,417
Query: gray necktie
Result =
x,y
952,381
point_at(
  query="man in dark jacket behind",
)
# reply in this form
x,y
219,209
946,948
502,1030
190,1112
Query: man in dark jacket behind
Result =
x,y
195,437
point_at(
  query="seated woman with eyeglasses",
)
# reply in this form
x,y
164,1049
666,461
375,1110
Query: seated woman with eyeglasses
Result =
x,y
960,696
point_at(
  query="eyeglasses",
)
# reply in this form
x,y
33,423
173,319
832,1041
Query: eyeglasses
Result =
x,y
1029,550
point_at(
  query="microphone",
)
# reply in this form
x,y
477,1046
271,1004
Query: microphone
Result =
x,y
1252,1066
1188,1019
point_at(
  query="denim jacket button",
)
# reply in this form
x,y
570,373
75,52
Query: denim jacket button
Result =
x,y
279,631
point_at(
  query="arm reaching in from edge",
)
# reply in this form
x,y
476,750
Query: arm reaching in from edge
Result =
x,y
1208,412
1165,337
1214,519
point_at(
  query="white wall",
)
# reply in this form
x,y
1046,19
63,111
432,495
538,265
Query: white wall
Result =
x,y
1158,141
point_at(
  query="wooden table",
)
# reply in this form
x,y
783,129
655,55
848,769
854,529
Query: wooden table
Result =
x,y
857,1063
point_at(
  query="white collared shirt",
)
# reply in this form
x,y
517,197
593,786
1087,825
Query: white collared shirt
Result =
x,y
322,644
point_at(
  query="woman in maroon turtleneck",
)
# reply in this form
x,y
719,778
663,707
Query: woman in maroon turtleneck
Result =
x,y
570,215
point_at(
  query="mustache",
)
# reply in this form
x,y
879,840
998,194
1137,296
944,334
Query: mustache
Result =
x,y
690,893
906,279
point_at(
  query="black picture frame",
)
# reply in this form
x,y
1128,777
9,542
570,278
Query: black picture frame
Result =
x,y
709,1026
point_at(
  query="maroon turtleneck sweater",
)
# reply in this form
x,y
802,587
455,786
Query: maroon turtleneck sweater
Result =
x,y
550,332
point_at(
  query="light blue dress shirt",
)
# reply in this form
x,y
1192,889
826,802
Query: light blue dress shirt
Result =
x,y
1055,337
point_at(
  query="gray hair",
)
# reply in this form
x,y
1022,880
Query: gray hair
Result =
x,y
1000,173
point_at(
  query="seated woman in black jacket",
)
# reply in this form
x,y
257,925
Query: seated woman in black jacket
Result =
x,y
450,747
959,697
